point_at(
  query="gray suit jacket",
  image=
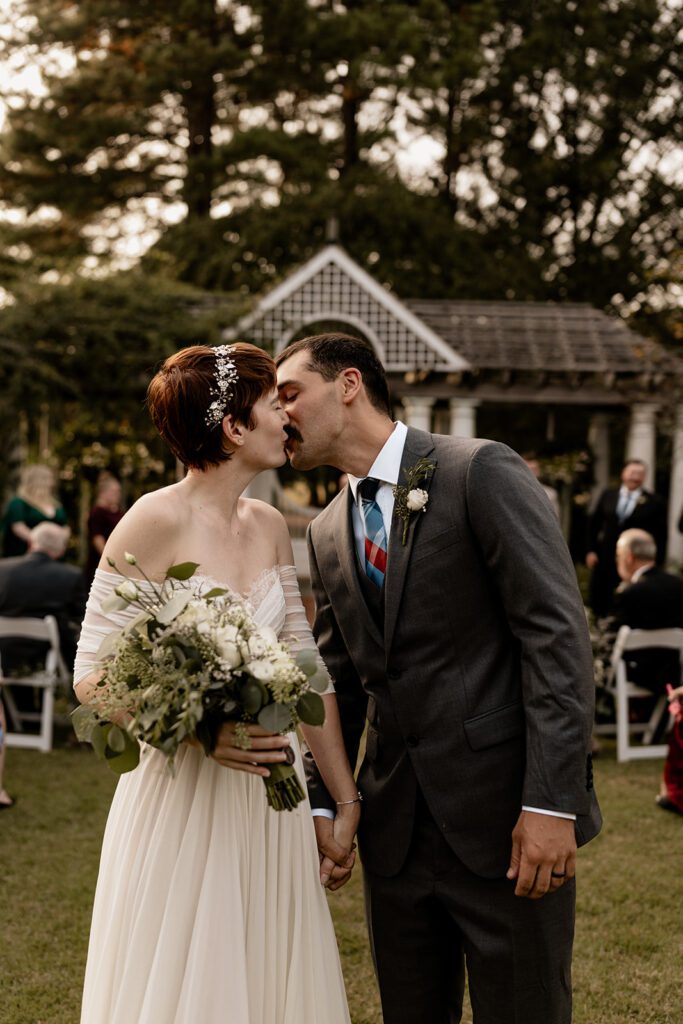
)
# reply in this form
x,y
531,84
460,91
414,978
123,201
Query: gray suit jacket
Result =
x,y
479,689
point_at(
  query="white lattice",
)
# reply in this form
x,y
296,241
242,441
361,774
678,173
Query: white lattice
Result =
x,y
332,287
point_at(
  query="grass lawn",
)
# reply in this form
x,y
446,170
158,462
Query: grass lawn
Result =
x,y
628,946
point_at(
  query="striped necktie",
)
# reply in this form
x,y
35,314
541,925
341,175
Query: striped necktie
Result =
x,y
375,534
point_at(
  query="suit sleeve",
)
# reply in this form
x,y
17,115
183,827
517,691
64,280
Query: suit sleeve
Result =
x,y
595,524
535,580
351,698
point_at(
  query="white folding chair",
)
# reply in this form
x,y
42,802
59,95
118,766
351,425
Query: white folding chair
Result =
x,y
623,691
44,679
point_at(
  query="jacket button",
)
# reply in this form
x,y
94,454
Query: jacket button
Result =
x,y
412,741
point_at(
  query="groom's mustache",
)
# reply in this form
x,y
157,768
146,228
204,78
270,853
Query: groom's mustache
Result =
x,y
292,433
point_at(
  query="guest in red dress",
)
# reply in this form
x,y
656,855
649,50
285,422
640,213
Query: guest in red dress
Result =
x,y
671,794
104,515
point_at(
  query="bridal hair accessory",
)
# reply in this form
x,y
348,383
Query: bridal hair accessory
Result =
x,y
412,498
226,375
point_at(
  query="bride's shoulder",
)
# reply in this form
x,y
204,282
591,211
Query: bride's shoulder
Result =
x,y
264,515
150,526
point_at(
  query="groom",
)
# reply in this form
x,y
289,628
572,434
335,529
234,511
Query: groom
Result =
x,y
449,617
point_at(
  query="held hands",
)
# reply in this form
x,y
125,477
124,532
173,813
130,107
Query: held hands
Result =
x,y
266,748
336,847
543,854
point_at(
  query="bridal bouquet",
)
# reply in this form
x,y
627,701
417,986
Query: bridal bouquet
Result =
x,y
186,663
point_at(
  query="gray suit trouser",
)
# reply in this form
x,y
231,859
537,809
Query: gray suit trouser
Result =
x,y
435,916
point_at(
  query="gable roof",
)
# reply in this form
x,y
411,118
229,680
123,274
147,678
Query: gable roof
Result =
x,y
332,286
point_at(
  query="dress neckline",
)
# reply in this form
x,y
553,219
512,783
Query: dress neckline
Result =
x,y
254,595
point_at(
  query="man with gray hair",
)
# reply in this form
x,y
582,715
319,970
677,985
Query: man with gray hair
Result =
x,y
37,584
648,598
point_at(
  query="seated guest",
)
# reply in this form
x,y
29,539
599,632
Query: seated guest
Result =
x,y
35,585
648,598
104,515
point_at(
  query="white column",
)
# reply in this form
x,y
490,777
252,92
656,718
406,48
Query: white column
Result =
x,y
418,411
464,417
675,548
598,442
641,442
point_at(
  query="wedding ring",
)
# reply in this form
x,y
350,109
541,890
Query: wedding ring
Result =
x,y
558,874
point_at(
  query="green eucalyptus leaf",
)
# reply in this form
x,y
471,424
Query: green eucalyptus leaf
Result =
x,y
83,720
99,738
253,696
182,571
311,709
114,603
108,645
128,759
169,611
307,661
275,718
319,682
116,740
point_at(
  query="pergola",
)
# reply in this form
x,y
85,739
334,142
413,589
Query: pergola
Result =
x,y
447,361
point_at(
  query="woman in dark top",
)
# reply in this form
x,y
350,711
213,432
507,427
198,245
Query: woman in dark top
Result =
x,y
104,515
35,502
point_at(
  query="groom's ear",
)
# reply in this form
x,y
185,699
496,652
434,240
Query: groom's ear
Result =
x,y
351,383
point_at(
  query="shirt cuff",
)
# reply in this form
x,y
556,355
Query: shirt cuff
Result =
x,y
551,814
322,812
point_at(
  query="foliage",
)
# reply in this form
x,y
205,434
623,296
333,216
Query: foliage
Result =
x,y
553,129
82,355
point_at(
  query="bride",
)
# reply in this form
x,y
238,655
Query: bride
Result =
x,y
208,904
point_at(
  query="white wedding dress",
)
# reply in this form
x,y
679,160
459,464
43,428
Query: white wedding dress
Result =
x,y
208,906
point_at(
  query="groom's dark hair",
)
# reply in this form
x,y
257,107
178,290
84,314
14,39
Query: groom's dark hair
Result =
x,y
329,354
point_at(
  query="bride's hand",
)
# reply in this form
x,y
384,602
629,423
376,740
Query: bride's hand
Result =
x,y
336,846
266,748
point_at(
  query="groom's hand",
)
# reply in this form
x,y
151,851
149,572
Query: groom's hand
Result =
x,y
336,860
543,854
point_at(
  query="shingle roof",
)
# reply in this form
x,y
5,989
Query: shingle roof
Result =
x,y
543,336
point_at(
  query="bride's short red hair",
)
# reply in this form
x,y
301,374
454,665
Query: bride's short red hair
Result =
x,y
180,394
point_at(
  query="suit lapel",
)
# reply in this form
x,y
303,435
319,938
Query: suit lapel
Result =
x,y
418,445
346,551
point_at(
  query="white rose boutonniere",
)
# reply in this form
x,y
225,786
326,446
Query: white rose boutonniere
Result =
x,y
417,500
412,498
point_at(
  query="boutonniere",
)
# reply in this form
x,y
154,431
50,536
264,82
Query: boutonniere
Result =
x,y
412,498
641,500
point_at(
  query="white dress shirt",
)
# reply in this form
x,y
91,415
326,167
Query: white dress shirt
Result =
x,y
386,468
627,501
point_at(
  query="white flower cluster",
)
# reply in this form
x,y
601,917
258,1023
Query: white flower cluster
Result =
x,y
221,392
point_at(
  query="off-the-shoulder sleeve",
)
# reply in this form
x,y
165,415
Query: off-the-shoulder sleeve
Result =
x,y
97,624
296,630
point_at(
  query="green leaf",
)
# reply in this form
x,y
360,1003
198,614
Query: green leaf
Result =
x,y
116,740
253,696
215,592
275,718
319,682
169,611
83,720
128,759
114,603
108,645
311,709
98,738
307,661
182,571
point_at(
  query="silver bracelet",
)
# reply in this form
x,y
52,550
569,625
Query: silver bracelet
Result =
x,y
356,800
